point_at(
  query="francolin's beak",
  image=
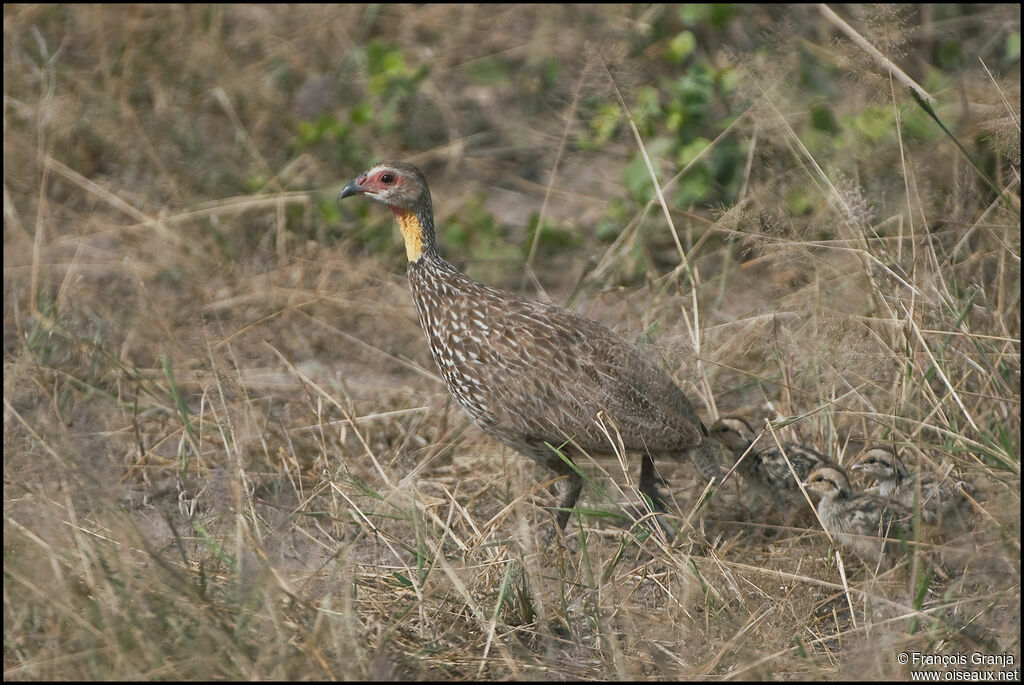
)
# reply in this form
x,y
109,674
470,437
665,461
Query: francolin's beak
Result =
x,y
353,188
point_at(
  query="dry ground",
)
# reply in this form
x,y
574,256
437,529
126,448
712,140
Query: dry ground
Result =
x,y
227,453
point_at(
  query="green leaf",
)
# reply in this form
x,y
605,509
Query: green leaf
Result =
x,y
604,124
823,119
361,114
721,13
255,182
329,210
1012,48
681,47
949,53
550,72
694,188
694,13
689,152
637,178
873,122
393,63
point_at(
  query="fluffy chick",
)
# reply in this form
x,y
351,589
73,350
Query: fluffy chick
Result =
x,y
942,500
857,521
764,469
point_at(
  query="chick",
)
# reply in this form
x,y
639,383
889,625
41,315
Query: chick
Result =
x,y
857,521
764,469
942,500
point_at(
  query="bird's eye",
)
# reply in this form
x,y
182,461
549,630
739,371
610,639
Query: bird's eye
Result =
x,y
387,179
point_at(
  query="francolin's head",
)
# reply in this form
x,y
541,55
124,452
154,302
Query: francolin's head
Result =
x,y
403,188
829,481
733,432
395,184
882,464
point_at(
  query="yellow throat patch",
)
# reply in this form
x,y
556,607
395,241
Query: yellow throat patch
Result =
x,y
412,232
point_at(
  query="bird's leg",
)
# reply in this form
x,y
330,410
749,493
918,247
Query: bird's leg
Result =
x,y
571,489
649,482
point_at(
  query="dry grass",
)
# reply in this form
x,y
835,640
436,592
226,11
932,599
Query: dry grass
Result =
x,y
228,455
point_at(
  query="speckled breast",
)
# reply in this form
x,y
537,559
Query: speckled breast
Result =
x,y
456,333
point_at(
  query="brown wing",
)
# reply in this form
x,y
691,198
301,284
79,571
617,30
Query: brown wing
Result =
x,y
555,372
530,373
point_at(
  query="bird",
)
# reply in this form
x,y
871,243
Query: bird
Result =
x,y
764,469
941,501
540,378
857,521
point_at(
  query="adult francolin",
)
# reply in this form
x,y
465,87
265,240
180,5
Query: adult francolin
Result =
x,y
534,375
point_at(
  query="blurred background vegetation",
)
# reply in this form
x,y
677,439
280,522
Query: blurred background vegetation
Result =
x,y
503,98
202,347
